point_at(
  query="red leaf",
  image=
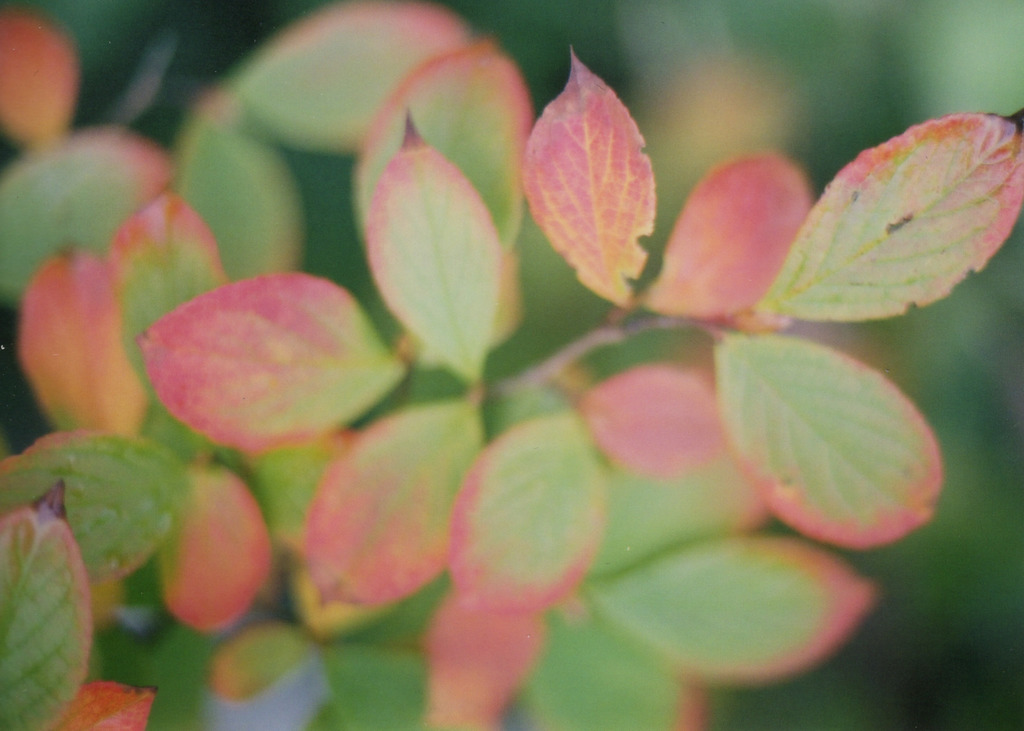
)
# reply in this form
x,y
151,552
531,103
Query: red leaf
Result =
x,y
589,186
106,706
731,238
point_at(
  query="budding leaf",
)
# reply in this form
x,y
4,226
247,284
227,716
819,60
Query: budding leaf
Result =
x,y
838,452
905,221
269,360
377,529
435,255
529,517
589,185
107,706
739,610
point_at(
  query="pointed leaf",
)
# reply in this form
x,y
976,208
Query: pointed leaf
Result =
x,y
256,658
106,706
731,238
72,195
740,610
266,361
38,78
244,191
472,106
70,347
122,493
218,554
435,255
45,623
653,419
589,186
319,82
838,451
529,517
476,661
377,529
905,221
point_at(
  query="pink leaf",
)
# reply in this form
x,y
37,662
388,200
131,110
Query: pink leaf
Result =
x,y
106,706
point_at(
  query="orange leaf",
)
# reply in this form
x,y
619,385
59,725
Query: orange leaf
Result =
x,y
731,238
38,78
589,186
106,706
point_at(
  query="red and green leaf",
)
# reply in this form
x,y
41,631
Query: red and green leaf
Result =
x,y
529,517
589,185
256,658
731,238
377,529
739,610
905,221
838,452
106,706
268,361
218,555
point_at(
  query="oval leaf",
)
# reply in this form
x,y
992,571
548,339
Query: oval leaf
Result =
x,y
73,195
435,255
656,420
38,78
589,186
838,451
256,658
377,529
218,555
740,610
731,238
905,221
529,517
45,621
122,494
269,360
319,83
106,706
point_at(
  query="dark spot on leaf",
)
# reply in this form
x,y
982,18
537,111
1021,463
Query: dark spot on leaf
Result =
x,y
854,196
897,225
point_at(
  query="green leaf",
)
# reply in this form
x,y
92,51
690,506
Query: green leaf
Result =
x,y
905,221
740,609
319,82
529,516
122,493
75,194
256,658
45,618
376,688
435,255
837,450
245,192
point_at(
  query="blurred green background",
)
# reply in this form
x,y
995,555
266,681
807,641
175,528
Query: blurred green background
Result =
x,y
705,79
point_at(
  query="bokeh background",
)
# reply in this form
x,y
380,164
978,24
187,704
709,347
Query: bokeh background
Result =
x,y
707,79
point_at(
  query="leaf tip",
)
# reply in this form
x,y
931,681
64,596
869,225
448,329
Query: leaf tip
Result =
x,y
50,506
1017,118
412,138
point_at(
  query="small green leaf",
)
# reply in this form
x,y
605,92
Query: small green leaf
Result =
x,y
837,450
739,609
122,493
45,618
257,657
377,688
905,221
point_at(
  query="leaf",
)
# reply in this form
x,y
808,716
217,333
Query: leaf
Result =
x,y
591,677
739,610
218,555
377,529
648,516
731,238
45,622
73,195
476,661
376,687
122,494
256,658
905,221
38,78
435,255
528,518
837,450
70,347
653,419
267,361
589,186
244,190
471,105
106,706
319,82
